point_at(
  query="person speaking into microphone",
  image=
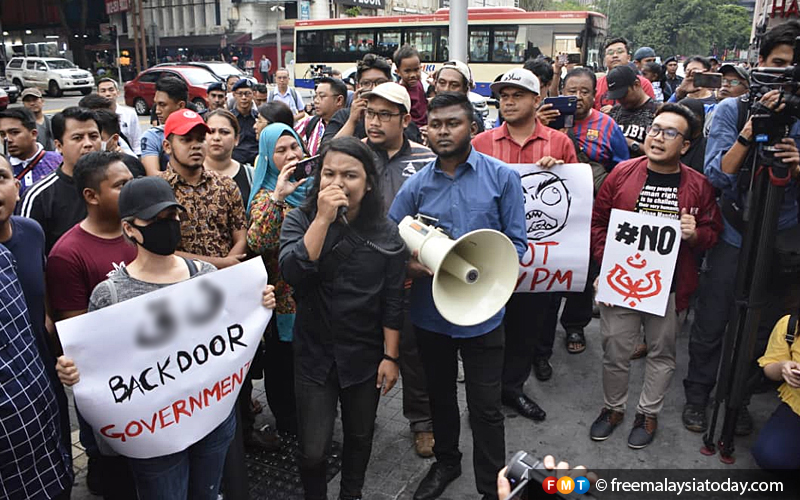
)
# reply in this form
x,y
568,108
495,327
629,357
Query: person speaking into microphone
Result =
x,y
347,276
465,190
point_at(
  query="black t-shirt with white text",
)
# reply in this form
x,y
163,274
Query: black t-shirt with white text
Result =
x,y
659,197
634,122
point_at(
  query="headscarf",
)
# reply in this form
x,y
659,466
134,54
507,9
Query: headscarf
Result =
x,y
266,175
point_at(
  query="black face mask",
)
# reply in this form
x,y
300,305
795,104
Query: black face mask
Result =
x,y
161,237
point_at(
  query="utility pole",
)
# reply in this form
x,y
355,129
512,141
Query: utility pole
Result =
x,y
142,35
458,30
135,28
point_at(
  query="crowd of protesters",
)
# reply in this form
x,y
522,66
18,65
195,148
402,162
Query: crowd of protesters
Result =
x,y
89,205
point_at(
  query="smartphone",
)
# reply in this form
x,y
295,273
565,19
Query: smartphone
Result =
x,y
563,58
305,168
567,105
574,58
708,80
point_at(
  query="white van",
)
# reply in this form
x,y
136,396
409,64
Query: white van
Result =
x,y
51,74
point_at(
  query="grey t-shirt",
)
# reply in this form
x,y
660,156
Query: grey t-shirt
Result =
x,y
45,136
127,287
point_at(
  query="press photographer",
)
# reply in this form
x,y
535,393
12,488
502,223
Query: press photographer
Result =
x,y
732,156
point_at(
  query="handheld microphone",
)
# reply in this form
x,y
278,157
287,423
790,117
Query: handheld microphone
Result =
x,y
341,213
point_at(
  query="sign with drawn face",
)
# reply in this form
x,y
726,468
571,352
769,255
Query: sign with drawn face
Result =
x,y
558,216
639,261
160,371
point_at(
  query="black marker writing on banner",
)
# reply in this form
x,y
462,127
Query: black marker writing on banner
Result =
x,y
658,239
149,379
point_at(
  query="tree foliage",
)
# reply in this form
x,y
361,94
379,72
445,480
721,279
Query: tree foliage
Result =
x,y
671,26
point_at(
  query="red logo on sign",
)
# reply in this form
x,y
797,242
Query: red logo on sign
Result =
x,y
633,291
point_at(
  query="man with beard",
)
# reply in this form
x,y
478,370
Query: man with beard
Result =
x,y
617,54
465,190
397,159
524,139
220,239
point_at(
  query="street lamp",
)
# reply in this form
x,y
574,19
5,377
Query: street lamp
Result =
x,y
278,8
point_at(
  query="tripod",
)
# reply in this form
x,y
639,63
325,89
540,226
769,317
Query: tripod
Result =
x,y
770,176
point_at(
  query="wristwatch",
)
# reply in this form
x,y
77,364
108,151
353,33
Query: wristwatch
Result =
x,y
393,360
280,203
744,141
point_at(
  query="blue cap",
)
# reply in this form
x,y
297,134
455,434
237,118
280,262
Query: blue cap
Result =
x,y
216,86
643,52
244,83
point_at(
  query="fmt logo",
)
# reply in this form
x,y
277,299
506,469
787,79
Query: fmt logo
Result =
x,y
565,485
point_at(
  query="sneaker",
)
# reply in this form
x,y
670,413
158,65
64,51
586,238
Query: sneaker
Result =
x,y
643,432
694,418
744,422
605,424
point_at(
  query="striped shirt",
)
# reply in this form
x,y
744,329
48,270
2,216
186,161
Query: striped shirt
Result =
x,y
544,141
33,462
601,139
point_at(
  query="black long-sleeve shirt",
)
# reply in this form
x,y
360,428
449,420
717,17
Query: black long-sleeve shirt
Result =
x,y
344,299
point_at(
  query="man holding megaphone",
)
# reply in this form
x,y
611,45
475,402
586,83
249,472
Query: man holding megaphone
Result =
x,y
463,191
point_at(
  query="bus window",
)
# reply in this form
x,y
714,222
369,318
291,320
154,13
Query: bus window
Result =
x,y
334,43
363,41
479,45
424,41
565,44
309,47
505,45
444,48
388,42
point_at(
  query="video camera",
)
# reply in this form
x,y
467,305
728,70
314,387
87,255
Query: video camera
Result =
x,y
526,476
320,71
770,126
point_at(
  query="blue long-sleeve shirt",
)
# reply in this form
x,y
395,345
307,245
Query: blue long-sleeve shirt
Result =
x,y
485,193
721,137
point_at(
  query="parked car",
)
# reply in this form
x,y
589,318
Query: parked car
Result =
x,y
12,90
220,68
140,92
3,100
51,74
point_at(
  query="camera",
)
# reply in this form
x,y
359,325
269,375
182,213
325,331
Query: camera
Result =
x,y
526,475
319,71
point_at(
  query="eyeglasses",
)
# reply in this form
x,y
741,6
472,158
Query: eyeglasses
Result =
x,y
244,94
619,51
383,116
669,133
732,82
369,84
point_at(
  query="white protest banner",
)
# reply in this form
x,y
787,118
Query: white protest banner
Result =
x,y
160,371
558,217
639,261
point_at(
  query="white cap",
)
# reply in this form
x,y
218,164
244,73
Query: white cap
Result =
x,y
392,92
517,77
462,68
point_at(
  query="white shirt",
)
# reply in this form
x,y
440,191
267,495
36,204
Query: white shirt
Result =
x,y
129,124
295,106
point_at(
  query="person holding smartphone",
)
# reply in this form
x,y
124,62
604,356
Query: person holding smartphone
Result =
x,y
274,195
349,311
779,440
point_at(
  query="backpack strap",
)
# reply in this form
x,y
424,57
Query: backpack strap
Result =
x,y
112,291
271,95
249,173
742,112
791,328
310,127
294,96
192,267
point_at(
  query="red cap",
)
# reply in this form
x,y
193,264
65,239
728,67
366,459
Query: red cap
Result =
x,y
181,122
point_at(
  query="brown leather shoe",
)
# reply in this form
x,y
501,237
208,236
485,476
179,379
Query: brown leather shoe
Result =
x,y
423,444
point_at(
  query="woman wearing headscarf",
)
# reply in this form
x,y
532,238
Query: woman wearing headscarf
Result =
x,y
273,195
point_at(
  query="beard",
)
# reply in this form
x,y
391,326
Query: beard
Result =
x,y
455,151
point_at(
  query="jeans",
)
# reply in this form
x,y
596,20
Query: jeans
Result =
x,y
316,414
530,329
715,301
779,441
483,369
194,473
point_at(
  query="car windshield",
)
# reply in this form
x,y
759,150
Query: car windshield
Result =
x,y
198,76
60,64
224,69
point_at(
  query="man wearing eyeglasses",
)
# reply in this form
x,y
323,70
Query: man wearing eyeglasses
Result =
x,y
658,184
617,54
386,117
735,83
246,114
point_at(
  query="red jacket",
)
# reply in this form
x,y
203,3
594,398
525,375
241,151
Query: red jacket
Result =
x,y
621,190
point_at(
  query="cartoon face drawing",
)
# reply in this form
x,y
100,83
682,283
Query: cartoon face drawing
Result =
x,y
547,204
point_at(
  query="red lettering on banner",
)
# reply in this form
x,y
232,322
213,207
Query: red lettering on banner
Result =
x,y
178,408
195,402
543,276
214,392
545,245
226,386
162,419
152,426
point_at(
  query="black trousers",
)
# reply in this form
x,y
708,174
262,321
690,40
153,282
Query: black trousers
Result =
x,y
577,313
483,366
316,412
530,327
715,301
416,404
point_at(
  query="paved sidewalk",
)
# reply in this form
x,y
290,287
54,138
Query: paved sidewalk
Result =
x,y
572,399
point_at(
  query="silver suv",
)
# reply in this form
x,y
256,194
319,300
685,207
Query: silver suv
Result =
x,y
51,74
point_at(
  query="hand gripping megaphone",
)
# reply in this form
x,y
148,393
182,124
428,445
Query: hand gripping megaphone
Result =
x,y
473,276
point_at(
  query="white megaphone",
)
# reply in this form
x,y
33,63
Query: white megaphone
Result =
x,y
473,276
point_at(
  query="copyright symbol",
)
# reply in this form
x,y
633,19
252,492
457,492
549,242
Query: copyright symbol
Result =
x,y
600,485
